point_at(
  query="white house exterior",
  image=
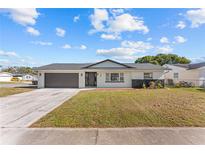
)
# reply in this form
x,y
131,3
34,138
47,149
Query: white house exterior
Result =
x,y
5,77
104,74
194,73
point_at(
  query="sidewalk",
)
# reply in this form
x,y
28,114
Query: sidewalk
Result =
x,y
140,135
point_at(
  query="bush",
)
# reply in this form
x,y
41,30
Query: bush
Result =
x,y
144,86
159,85
152,85
184,84
15,79
177,85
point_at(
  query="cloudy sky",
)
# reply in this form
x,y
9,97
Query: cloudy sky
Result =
x,y
33,37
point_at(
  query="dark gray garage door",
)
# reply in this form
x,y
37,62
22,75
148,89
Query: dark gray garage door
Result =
x,y
61,80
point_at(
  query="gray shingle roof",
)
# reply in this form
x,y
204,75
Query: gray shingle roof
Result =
x,y
197,65
80,66
191,66
63,66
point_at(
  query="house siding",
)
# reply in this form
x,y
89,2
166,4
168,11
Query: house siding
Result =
x,y
193,75
101,83
101,76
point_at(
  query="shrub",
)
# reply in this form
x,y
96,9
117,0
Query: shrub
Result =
x,y
159,85
177,85
152,85
144,86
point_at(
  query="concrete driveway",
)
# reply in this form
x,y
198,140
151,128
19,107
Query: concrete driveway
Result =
x,y
21,110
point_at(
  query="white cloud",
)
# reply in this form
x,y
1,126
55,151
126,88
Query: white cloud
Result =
x,y
66,46
32,31
181,25
164,49
8,53
83,47
116,11
196,16
198,59
110,36
116,52
115,23
127,50
42,43
4,62
97,19
180,39
123,58
26,16
76,18
164,40
60,32
127,22
139,46
149,39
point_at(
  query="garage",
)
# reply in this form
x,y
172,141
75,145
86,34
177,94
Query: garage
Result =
x,y
61,80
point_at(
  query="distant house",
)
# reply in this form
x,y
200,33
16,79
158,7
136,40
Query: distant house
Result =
x,y
29,77
5,77
193,73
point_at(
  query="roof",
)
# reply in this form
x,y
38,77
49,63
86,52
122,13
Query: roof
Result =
x,y
197,65
63,66
191,66
80,66
122,64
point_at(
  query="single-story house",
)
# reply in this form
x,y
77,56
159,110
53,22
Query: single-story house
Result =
x,y
192,73
106,73
5,77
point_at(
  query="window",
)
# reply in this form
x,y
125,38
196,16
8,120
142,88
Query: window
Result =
x,y
122,77
114,77
176,75
148,75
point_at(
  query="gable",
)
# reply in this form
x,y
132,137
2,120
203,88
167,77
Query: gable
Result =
x,y
107,64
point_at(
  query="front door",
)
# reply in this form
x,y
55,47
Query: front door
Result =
x,y
90,79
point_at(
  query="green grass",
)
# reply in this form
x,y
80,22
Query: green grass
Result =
x,y
130,108
10,91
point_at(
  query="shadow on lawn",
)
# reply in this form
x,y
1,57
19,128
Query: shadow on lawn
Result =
x,y
201,89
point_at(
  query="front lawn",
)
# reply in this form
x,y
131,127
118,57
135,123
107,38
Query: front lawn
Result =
x,y
129,108
11,91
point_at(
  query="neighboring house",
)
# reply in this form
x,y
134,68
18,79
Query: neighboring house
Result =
x,y
193,73
29,77
107,73
5,77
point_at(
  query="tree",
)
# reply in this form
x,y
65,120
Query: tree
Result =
x,y
162,59
20,70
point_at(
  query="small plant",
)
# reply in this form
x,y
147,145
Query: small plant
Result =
x,y
144,86
152,85
159,85
177,85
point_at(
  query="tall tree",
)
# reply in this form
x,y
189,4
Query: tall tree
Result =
x,y
162,59
19,70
